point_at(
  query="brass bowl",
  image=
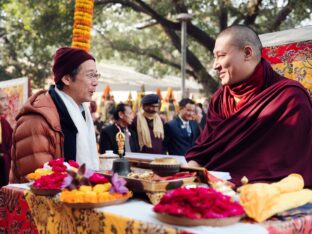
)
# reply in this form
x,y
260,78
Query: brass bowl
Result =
x,y
165,169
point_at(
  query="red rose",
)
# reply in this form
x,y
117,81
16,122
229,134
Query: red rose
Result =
x,y
59,167
73,163
97,178
52,181
198,203
56,161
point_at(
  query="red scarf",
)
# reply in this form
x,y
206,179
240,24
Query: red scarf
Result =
x,y
243,91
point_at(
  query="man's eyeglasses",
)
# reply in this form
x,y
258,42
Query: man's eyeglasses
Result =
x,y
94,76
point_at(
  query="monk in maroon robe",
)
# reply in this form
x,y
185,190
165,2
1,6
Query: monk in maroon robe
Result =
x,y
5,142
259,124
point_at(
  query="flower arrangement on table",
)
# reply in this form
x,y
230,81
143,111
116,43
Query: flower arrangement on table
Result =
x,y
85,186
198,203
79,184
57,165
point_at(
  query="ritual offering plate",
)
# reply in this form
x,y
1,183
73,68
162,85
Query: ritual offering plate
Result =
x,y
44,192
198,206
147,181
183,221
165,166
90,205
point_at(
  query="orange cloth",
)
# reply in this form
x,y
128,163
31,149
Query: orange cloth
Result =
x,y
261,201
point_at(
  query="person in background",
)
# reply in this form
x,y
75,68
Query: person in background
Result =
x,y
181,132
149,126
98,125
96,120
259,124
200,116
205,106
163,116
93,108
58,123
123,117
5,141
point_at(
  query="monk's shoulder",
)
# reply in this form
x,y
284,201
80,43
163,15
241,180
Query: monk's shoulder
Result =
x,y
293,89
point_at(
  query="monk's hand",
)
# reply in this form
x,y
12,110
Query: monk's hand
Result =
x,y
193,163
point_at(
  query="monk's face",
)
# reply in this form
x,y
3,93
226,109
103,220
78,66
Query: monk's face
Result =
x,y
229,61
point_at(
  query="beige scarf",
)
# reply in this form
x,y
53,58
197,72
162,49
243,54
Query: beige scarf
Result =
x,y
144,136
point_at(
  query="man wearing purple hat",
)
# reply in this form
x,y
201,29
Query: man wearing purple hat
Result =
x,y
58,123
149,126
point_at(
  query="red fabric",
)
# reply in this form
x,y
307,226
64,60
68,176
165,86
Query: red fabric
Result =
x,y
243,91
67,59
15,215
266,139
288,53
5,149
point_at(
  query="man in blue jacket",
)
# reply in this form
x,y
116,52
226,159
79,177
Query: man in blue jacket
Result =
x,y
182,131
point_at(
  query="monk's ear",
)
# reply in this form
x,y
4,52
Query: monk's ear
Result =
x,y
67,79
248,52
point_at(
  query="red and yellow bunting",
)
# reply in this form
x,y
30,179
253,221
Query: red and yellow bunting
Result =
x,y
82,24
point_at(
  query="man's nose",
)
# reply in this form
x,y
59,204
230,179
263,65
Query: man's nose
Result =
x,y
216,65
95,83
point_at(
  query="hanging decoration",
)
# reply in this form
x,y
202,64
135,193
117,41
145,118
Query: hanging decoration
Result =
x,y
82,24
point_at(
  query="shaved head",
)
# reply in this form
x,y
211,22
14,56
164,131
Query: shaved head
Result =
x,y
242,36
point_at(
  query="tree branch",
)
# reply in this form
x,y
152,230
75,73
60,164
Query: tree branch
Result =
x,y
281,16
125,3
196,33
200,71
252,12
223,16
169,27
145,52
179,6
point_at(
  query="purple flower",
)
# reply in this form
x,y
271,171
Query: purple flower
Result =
x,y
67,181
88,173
118,185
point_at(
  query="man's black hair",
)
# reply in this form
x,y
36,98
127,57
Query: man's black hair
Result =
x,y
73,74
121,107
185,101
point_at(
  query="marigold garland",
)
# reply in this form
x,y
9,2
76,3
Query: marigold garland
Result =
x,y
82,24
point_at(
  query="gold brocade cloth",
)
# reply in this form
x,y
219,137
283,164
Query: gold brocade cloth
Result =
x,y
51,216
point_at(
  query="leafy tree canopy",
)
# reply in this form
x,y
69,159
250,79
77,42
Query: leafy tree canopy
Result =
x,y
144,34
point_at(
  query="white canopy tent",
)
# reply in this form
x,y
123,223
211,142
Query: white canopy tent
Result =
x,y
286,36
123,80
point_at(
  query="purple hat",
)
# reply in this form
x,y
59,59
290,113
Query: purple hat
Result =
x,y
67,59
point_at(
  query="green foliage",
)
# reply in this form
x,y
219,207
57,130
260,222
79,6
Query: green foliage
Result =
x,y
31,32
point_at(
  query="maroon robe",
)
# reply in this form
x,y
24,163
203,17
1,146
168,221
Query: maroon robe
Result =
x,y
265,139
5,150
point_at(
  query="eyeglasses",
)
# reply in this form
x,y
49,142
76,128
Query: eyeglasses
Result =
x,y
94,76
